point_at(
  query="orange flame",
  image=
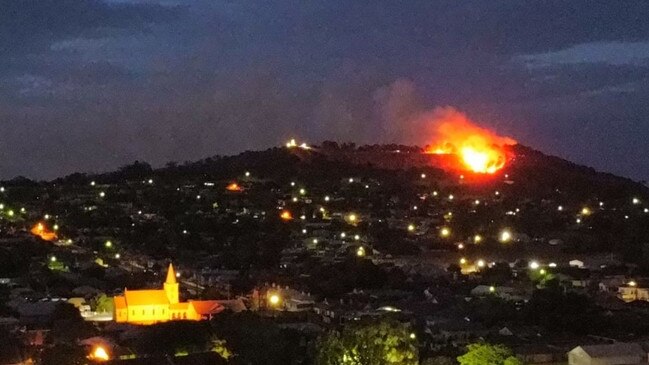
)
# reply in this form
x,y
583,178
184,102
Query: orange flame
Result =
x,y
480,150
40,230
99,354
286,215
234,187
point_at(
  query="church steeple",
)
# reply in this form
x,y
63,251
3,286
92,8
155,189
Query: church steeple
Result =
x,y
171,285
171,275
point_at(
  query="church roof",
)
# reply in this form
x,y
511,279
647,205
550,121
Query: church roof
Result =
x,y
171,275
120,302
182,306
207,306
146,297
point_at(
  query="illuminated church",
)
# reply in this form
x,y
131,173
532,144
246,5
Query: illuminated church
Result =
x,y
151,306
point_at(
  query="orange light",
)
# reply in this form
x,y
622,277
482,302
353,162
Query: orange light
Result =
x,y
286,215
478,149
234,187
41,231
99,354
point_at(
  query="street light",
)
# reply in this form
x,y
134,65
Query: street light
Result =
x,y
505,236
274,299
108,244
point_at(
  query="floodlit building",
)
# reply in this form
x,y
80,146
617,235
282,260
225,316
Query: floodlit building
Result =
x,y
161,305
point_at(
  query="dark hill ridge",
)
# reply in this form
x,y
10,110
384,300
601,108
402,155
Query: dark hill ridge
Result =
x,y
535,173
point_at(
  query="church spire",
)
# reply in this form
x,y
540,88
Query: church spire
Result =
x,y
171,275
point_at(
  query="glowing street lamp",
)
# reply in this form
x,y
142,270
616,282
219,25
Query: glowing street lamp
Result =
x,y
585,211
534,265
480,263
53,259
360,252
632,283
445,232
108,244
462,261
411,228
505,236
477,238
635,201
413,336
274,300
102,194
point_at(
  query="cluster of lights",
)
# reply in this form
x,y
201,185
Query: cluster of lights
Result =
x,y
292,143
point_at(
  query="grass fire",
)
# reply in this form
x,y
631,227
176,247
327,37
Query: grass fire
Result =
x,y
478,149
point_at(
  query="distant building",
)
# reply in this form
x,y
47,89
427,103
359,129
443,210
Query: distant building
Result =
x,y
632,292
151,306
610,354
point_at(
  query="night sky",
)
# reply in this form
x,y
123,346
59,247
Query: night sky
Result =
x,y
92,85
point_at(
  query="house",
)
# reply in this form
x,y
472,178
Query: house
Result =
x,y
609,354
633,291
540,355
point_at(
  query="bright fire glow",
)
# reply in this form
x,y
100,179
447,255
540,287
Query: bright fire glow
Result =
x,y
480,150
234,187
99,354
286,215
41,231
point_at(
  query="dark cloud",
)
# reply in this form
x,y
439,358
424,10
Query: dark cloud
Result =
x,y
89,85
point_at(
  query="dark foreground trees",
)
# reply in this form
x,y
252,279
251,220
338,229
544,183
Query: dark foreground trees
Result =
x,y
383,343
484,353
